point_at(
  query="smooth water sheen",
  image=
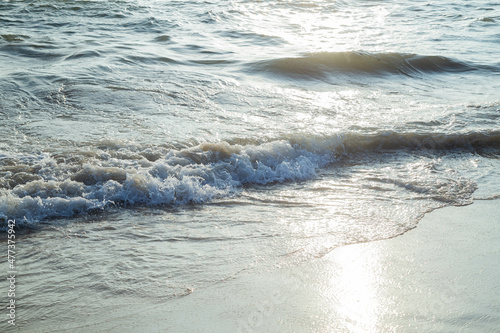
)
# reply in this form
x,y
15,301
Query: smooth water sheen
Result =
x,y
186,141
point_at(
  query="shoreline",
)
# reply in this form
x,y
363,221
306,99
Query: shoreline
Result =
x,y
441,276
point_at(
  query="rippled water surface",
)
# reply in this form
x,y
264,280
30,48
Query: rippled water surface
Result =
x,y
192,140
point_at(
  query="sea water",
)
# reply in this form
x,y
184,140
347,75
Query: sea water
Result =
x,y
152,148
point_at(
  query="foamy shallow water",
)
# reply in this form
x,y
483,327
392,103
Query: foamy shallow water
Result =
x,y
189,141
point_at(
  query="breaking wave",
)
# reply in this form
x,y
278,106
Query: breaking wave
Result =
x,y
33,188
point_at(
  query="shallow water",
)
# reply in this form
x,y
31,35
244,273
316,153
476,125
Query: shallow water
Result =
x,y
187,141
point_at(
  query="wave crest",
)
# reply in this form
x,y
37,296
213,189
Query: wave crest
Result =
x,y
319,65
200,173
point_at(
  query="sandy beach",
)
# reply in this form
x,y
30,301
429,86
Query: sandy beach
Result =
x,y
439,277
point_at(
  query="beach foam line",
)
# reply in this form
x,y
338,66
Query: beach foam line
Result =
x,y
34,188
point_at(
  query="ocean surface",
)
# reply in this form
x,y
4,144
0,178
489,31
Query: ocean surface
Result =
x,y
152,148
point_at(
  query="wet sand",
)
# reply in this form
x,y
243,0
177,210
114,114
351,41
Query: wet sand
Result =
x,y
442,276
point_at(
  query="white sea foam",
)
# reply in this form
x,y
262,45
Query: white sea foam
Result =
x,y
194,175
44,186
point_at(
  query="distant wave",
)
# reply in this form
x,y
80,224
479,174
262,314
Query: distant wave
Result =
x,y
319,65
34,188
389,140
